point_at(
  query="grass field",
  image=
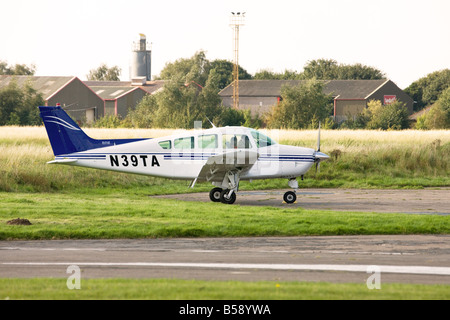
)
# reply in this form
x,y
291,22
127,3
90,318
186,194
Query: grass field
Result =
x,y
75,203
114,215
360,159
172,289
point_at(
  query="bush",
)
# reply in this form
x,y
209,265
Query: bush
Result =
x,y
439,115
301,107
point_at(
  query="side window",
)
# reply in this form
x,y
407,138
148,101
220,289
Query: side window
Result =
x,y
165,144
236,141
208,141
184,143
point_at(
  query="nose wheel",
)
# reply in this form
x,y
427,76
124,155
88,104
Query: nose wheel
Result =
x,y
290,197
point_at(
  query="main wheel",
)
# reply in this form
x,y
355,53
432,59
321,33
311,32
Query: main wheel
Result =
x,y
224,197
290,197
214,194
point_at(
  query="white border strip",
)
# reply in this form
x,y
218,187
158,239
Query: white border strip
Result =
x,y
298,267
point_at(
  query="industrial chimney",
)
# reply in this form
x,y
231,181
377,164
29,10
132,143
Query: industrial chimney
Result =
x,y
140,62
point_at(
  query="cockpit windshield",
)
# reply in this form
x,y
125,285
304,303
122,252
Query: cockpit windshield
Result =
x,y
261,139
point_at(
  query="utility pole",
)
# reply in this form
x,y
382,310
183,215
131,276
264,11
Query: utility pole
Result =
x,y
237,20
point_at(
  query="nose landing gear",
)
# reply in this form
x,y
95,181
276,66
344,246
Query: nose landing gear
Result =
x,y
290,196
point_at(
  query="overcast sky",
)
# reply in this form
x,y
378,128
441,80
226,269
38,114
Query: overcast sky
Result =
x,y
406,39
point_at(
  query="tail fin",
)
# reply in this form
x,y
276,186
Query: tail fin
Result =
x,y
67,137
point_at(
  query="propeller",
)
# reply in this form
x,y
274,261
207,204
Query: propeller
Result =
x,y
319,156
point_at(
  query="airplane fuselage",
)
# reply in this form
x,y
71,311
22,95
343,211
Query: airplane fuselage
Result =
x,y
184,155
222,156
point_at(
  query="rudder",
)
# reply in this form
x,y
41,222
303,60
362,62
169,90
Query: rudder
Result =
x,y
64,134
67,137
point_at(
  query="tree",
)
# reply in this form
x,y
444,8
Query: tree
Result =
x,y
427,90
225,69
329,69
104,73
197,69
359,72
265,74
301,107
179,104
321,69
17,70
19,106
194,69
439,115
393,116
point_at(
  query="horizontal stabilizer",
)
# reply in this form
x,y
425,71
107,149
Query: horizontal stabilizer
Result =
x,y
62,161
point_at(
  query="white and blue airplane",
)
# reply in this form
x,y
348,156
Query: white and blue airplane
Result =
x,y
223,156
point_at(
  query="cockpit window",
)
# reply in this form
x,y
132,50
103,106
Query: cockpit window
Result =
x,y
166,144
236,141
261,139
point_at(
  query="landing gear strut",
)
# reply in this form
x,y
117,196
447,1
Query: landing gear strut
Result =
x,y
290,196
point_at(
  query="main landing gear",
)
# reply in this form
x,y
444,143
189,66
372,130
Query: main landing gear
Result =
x,y
225,196
228,196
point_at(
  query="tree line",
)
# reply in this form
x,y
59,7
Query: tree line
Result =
x,y
191,94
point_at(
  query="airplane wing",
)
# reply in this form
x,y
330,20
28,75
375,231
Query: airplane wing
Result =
x,y
218,166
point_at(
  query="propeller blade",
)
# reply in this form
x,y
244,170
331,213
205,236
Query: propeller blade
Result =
x,y
318,139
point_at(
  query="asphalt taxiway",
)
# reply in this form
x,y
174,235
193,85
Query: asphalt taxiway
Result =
x,y
398,258
419,201
405,259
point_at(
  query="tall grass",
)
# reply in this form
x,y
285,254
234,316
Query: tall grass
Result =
x,y
361,158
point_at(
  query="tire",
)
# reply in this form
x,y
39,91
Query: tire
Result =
x,y
290,197
214,194
226,200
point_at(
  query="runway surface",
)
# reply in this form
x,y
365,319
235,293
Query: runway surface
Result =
x,y
421,201
406,259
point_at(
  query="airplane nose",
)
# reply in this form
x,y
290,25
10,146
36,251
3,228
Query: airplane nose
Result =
x,y
320,156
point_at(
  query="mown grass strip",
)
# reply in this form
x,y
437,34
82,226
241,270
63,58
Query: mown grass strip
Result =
x,y
176,289
108,216
359,159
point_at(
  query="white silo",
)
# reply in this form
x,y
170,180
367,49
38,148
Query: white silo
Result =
x,y
141,60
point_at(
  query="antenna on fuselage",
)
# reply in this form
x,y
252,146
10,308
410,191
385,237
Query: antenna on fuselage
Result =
x,y
211,123
318,139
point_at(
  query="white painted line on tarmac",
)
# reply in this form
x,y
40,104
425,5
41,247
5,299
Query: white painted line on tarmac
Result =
x,y
52,249
254,266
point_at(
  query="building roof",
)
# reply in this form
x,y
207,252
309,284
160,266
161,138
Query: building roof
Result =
x,y
416,115
47,86
353,89
150,86
112,92
342,89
